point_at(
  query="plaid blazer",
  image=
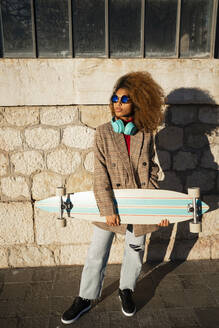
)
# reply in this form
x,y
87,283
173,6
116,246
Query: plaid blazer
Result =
x,y
115,169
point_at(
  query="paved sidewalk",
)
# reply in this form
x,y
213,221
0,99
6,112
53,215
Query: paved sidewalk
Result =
x,y
168,295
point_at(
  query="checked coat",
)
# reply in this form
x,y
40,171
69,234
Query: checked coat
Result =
x,y
115,169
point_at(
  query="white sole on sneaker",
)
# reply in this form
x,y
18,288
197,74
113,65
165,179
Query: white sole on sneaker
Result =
x,y
125,313
128,314
68,322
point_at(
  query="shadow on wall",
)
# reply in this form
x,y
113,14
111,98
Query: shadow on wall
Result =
x,y
186,149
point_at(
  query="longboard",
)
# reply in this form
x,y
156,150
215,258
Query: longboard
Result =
x,y
134,206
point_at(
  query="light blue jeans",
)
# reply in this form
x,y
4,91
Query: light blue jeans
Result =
x,y
98,254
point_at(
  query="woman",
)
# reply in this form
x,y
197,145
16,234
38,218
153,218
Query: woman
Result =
x,y
124,159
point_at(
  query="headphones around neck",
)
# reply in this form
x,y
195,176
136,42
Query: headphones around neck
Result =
x,y
120,127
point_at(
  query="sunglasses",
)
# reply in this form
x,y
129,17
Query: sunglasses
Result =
x,y
124,99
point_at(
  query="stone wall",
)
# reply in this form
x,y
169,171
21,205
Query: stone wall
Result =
x,y
46,141
188,154
45,147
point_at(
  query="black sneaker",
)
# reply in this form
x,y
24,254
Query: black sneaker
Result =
x,y
128,305
79,306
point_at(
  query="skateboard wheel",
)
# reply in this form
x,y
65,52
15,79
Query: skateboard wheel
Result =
x,y
195,227
194,192
60,191
61,223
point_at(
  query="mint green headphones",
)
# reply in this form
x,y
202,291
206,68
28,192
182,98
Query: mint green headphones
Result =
x,y
120,127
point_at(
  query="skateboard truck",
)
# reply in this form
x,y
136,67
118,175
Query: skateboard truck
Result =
x,y
195,225
61,221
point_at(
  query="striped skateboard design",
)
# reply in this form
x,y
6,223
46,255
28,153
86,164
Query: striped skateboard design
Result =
x,y
135,206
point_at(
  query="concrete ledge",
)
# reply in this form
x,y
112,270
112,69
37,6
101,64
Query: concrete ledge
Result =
x,y
90,81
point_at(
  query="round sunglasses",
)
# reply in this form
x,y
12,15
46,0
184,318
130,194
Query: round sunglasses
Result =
x,y
124,99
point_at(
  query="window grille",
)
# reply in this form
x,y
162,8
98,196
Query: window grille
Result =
x,y
109,28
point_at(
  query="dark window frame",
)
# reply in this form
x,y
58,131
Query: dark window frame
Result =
x,y
214,39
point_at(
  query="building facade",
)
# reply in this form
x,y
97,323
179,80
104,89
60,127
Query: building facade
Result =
x,y
55,86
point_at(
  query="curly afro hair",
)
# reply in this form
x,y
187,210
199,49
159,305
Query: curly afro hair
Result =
x,y
147,98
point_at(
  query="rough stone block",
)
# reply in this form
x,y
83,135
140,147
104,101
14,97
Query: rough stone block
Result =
x,y
42,138
27,162
70,254
197,135
15,188
45,184
213,136
32,256
212,200
171,182
175,231
164,159
215,247
210,158
47,232
16,221
4,164
200,251
76,254
170,138
78,137
218,181
89,162
204,179
184,161
21,116
2,117
79,181
157,250
210,220
57,116
10,139
209,114
210,223
180,250
116,253
93,116
63,161
183,115
3,258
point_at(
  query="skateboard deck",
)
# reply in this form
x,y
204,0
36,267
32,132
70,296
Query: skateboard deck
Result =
x,y
134,206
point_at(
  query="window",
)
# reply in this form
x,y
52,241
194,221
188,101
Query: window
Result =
x,y
52,28
125,28
109,28
89,28
196,28
161,28
16,17
217,37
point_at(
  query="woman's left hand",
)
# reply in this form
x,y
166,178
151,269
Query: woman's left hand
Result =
x,y
164,223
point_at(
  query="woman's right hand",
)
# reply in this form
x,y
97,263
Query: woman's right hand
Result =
x,y
113,220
